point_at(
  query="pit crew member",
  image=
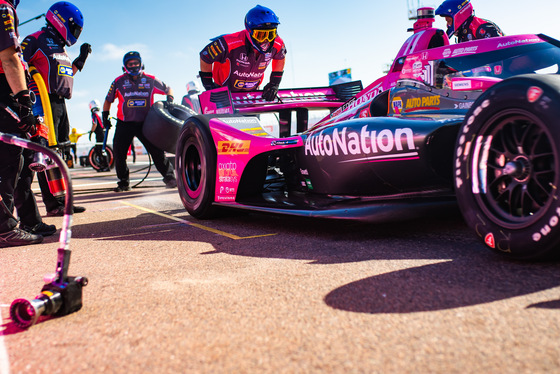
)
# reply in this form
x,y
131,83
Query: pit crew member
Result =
x,y
16,117
239,60
462,22
46,51
135,91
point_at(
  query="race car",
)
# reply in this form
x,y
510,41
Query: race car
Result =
x,y
475,124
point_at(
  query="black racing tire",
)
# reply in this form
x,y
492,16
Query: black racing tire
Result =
x,y
195,165
163,124
100,162
507,167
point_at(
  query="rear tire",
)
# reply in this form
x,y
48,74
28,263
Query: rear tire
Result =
x,y
507,167
195,164
101,162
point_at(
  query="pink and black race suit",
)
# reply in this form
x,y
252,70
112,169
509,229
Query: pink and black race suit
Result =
x,y
237,64
478,28
46,52
136,96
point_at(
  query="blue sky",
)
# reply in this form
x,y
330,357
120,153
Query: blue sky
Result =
x,y
321,37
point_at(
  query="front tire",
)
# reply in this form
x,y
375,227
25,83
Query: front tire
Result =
x,y
195,163
507,167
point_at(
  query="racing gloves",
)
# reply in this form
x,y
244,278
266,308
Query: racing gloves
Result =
x,y
271,89
79,62
106,121
24,110
207,81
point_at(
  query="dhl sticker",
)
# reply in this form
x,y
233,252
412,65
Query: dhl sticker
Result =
x,y
239,147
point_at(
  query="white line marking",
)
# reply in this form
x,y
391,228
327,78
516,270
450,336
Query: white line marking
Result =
x,y
4,361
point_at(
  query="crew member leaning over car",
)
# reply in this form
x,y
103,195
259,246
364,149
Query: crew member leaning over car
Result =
x,y
239,60
462,23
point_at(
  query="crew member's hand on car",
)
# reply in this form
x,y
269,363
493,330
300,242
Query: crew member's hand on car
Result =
x,y
271,89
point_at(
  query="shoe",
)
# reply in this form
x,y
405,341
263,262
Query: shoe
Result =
x,y
40,229
122,189
18,237
171,183
59,212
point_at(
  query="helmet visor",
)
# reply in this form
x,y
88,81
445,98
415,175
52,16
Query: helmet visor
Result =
x,y
264,35
74,29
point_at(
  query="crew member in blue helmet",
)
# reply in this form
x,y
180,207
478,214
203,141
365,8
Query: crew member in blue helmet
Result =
x,y
462,22
46,51
239,60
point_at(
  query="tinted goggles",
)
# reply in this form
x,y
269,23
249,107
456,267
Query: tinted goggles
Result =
x,y
264,35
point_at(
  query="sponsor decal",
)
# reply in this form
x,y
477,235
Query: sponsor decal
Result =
x,y
489,240
246,85
498,69
534,93
214,50
516,42
241,122
464,51
423,102
136,103
227,190
249,74
65,71
447,53
236,147
397,105
136,93
547,229
461,85
364,113
464,105
347,142
61,57
284,142
227,172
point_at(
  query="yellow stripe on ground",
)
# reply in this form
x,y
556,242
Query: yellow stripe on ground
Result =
x,y
202,227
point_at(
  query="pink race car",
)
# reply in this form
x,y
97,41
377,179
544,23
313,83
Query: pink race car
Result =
x,y
476,123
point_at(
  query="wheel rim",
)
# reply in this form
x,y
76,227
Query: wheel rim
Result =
x,y
193,170
514,169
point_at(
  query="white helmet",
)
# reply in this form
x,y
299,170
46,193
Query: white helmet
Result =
x,y
94,104
192,88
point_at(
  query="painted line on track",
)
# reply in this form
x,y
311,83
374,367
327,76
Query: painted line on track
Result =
x,y
202,227
4,360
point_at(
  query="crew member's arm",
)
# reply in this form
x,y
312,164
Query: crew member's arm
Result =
x,y
13,69
278,65
15,75
206,75
271,89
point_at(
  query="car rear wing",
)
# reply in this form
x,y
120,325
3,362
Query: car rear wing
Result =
x,y
222,101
